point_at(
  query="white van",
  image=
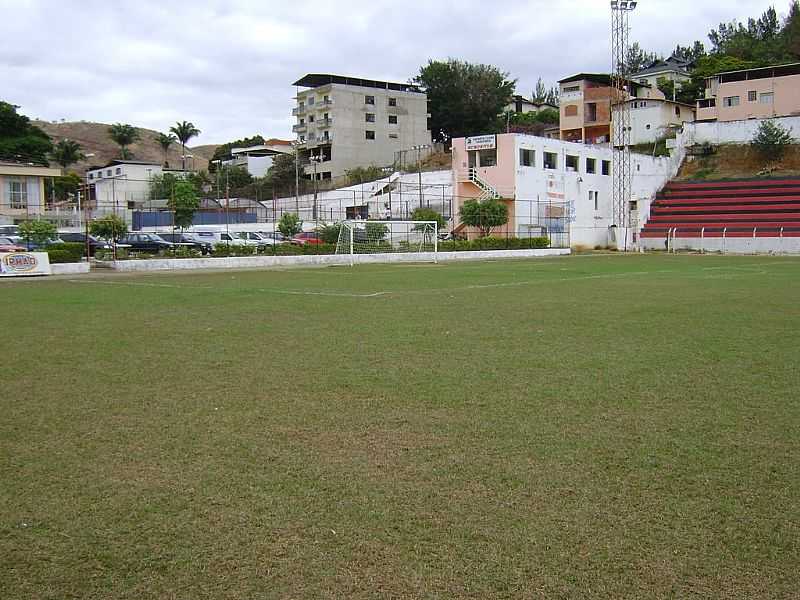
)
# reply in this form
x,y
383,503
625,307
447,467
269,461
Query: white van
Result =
x,y
216,236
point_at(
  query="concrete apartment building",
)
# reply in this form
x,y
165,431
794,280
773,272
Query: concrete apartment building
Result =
x,y
654,118
751,94
346,122
585,106
22,193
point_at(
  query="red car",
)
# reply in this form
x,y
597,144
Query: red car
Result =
x,y
307,237
7,245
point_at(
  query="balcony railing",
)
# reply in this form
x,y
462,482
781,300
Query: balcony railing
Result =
x,y
324,123
300,110
300,127
324,104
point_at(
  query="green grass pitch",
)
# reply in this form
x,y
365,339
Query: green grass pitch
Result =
x,y
581,427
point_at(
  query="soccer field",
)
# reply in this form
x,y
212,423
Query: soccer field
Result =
x,y
580,427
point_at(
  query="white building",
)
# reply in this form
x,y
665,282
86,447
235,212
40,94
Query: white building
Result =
x,y
347,122
258,159
522,105
553,187
660,71
654,118
122,184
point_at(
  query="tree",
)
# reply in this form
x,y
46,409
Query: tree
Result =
x,y
281,174
364,174
165,140
185,131
66,153
123,135
184,203
237,178
531,123
771,140
690,53
38,233
637,59
329,234
290,225
110,227
484,214
66,186
20,140
463,98
791,31
544,95
428,214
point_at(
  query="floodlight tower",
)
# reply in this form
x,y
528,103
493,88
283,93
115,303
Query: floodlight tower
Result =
x,y
621,118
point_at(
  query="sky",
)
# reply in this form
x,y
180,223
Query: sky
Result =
x,y
228,66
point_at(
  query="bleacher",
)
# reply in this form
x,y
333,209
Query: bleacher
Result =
x,y
757,208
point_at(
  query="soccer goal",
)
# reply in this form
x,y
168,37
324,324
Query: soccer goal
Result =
x,y
377,237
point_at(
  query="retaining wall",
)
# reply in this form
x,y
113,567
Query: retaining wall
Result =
x,y
265,262
69,268
731,132
731,245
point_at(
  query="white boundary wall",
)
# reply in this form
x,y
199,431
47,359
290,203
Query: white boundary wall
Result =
x,y
265,262
731,245
730,132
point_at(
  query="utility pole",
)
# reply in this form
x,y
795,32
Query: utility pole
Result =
x,y
297,178
419,150
314,160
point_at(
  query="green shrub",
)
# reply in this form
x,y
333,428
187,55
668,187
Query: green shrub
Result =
x,y
771,140
66,253
330,233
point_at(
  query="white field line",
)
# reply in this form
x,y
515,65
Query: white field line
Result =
x,y
747,269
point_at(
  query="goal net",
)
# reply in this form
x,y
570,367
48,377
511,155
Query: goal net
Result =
x,y
376,237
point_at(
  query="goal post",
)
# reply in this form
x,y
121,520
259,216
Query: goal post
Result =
x,y
379,237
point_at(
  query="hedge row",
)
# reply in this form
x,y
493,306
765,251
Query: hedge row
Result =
x,y
277,250
494,243
66,253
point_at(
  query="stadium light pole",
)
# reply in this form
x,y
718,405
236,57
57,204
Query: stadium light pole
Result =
x,y
315,159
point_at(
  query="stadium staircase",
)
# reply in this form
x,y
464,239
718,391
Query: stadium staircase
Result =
x,y
763,208
487,189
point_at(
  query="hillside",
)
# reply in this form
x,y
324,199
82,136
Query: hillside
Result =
x,y
733,161
94,139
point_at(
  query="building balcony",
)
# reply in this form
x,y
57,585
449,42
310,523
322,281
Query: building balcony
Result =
x,y
300,127
324,123
300,110
322,104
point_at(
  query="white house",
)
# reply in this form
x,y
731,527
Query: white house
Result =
x,y
124,184
653,118
258,159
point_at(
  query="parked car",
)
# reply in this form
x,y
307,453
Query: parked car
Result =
x,y
146,242
95,244
214,237
259,239
9,231
307,237
275,235
189,240
9,245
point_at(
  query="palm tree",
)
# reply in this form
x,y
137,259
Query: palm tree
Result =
x,y
165,140
66,153
124,136
185,131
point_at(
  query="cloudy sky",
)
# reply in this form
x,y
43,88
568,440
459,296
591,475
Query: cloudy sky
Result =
x,y
228,65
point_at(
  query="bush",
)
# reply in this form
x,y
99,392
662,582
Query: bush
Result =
x,y
494,243
37,232
330,233
428,214
66,253
290,225
771,140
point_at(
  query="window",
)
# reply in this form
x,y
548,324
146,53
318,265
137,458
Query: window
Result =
x,y
91,175
752,96
487,158
118,171
591,112
18,193
572,163
767,98
571,88
302,139
730,101
643,81
310,118
108,173
302,121
593,199
571,110
677,111
392,119
370,135
369,100
527,158
591,166
647,126
326,99
311,100
606,167
394,136
392,101
370,117
550,160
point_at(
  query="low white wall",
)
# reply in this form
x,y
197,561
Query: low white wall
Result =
x,y
737,245
731,132
70,268
263,262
